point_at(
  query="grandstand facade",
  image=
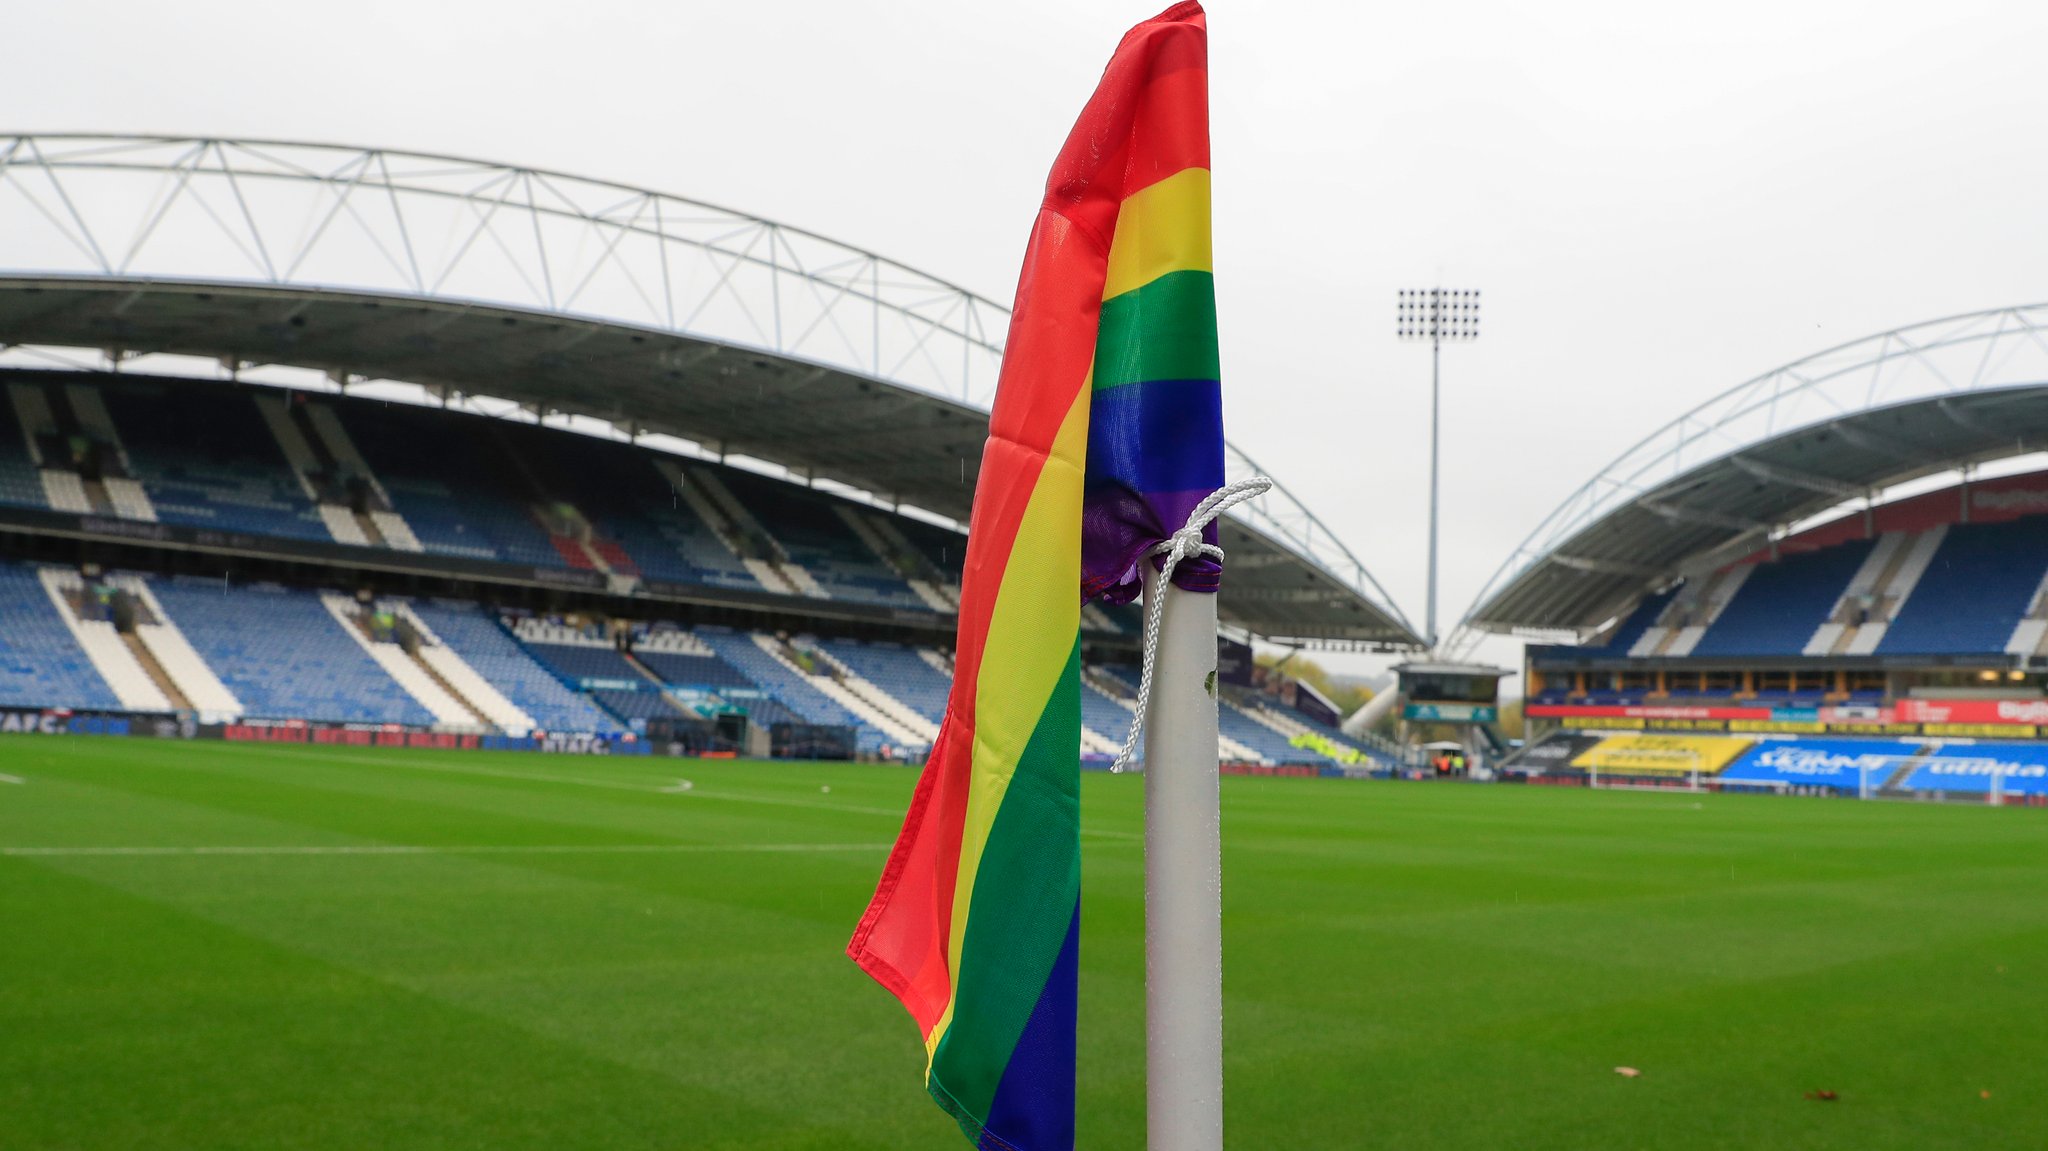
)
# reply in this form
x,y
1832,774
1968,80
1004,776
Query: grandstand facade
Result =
x,y
294,500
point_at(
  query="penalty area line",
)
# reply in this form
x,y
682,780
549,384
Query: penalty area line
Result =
x,y
450,849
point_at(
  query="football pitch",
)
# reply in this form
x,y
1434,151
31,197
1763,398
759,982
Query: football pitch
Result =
x,y
234,946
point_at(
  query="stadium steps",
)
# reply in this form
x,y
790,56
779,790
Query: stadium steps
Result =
x,y
489,648
66,492
62,489
1784,601
660,685
832,690
899,671
32,412
463,681
570,531
1092,616
2030,635
180,662
1124,696
1894,588
1291,729
345,524
380,520
1895,783
101,642
418,681
1857,606
348,527
873,705
1973,593
889,546
774,564
1686,619
124,497
155,670
688,484
433,672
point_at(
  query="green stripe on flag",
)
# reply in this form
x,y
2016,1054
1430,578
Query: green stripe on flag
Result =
x,y
1165,330
1024,894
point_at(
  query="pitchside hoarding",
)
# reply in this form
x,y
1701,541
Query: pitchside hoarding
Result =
x,y
1945,717
2017,769
1843,764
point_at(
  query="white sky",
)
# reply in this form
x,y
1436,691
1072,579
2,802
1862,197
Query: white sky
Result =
x,y
1658,201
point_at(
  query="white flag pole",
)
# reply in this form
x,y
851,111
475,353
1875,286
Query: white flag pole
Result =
x,y
1183,882
1176,715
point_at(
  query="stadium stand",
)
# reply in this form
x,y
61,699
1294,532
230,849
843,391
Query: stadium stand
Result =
x,y
900,671
93,627
211,465
1632,629
706,671
284,655
19,484
485,645
788,685
1979,585
1103,712
820,543
632,705
586,665
41,663
454,485
1781,603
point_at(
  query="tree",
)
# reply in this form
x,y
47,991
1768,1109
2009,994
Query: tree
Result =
x,y
1348,696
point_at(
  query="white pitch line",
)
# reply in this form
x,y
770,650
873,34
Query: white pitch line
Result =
x,y
452,849
11,779
649,787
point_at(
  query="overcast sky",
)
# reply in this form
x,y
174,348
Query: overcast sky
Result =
x,y
1658,201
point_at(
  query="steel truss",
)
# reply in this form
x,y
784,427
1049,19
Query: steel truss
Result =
x,y
1952,356
408,224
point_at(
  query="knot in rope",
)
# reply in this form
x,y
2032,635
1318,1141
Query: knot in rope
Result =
x,y
1185,544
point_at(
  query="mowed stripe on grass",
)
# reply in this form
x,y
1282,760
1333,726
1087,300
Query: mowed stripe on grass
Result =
x,y
234,946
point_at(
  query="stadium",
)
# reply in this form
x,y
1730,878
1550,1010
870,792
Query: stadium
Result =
x,y
1834,576
468,631
294,490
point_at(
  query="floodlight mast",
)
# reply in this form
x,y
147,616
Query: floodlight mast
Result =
x,y
1436,315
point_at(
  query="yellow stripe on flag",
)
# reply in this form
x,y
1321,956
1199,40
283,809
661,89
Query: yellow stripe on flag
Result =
x,y
1031,634
1161,229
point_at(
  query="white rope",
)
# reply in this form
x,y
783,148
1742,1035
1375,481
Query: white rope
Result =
x,y
1183,544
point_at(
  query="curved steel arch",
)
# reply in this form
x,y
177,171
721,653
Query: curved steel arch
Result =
x,y
440,227
1959,354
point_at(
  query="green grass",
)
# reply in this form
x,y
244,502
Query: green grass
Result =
x,y
1408,966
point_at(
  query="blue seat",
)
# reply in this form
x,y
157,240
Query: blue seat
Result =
x,y
284,655
41,664
1977,587
477,636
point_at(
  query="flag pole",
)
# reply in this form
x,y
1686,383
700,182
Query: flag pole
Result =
x,y
1183,880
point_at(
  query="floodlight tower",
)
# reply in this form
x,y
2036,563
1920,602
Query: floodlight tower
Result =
x,y
1436,315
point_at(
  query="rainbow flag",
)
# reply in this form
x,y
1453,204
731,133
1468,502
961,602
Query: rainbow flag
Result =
x,y
1107,430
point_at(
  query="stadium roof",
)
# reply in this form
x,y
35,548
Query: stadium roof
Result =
x,y
565,295
1743,469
